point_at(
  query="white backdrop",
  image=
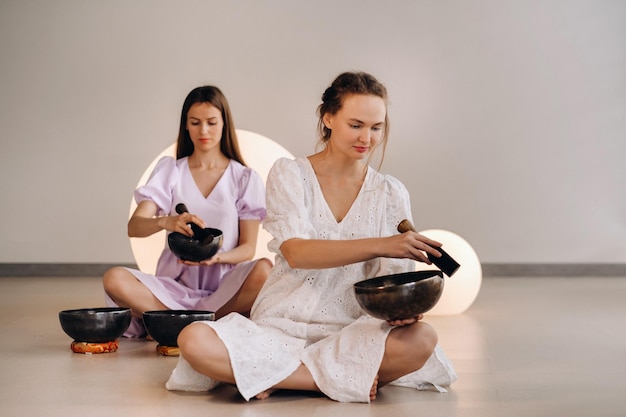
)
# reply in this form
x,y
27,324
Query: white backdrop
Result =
x,y
508,118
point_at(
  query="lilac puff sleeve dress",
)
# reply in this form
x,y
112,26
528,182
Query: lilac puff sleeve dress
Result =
x,y
311,316
238,195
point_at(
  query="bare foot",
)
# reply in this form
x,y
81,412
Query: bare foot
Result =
x,y
264,394
374,389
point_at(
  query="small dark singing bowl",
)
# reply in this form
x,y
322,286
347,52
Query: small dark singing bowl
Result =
x,y
165,325
400,296
95,325
203,245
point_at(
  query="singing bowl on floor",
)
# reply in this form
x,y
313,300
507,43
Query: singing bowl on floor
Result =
x,y
165,325
195,249
95,325
400,296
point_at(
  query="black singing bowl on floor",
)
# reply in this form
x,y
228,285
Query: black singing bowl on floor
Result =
x,y
400,296
95,325
203,245
165,325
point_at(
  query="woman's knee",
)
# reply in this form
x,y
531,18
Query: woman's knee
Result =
x,y
425,340
193,338
430,337
417,342
113,279
259,273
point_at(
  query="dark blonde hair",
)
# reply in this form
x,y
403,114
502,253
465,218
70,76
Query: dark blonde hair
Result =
x,y
214,96
346,84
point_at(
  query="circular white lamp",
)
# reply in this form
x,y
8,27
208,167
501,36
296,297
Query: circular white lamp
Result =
x,y
257,151
460,290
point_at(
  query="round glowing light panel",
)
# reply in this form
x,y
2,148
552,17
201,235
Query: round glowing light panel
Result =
x,y
460,290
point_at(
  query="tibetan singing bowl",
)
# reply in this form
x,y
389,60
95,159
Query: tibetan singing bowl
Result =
x,y
165,325
203,245
400,296
95,325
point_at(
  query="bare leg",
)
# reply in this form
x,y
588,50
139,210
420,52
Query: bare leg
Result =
x,y
374,389
205,352
127,291
244,298
406,350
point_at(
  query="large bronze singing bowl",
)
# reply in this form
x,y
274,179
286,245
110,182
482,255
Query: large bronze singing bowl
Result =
x,y
400,296
165,325
95,325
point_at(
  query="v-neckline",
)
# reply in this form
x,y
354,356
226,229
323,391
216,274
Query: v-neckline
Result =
x,y
329,212
193,180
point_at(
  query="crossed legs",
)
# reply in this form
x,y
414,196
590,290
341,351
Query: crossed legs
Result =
x,y
407,349
127,291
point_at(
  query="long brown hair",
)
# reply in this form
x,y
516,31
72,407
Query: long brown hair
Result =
x,y
229,145
346,84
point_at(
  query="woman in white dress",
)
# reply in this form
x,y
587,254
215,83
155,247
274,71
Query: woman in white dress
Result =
x,y
333,220
208,176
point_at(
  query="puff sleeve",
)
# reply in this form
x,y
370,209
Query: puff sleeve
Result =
x,y
160,185
287,211
251,198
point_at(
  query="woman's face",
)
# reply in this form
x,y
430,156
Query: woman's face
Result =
x,y
204,124
357,128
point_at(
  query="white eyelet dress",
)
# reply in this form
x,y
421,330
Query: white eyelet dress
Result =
x,y
311,316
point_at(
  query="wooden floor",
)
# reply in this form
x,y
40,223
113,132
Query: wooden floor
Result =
x,y
528,347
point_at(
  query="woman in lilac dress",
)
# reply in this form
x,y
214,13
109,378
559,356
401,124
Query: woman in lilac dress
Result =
x,y
211,179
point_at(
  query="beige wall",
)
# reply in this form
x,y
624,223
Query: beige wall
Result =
x,y
508,117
